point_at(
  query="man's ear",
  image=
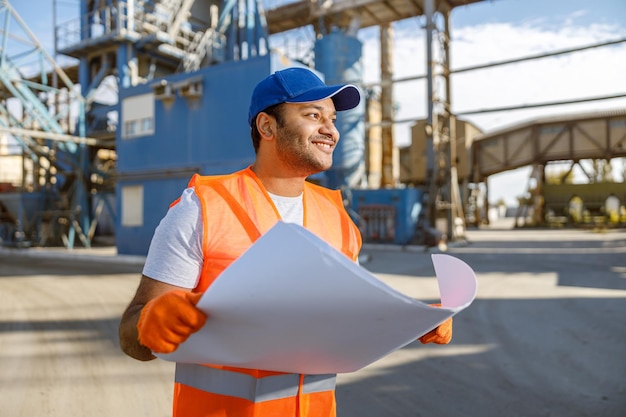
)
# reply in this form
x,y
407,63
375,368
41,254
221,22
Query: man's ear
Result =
x,y
266,125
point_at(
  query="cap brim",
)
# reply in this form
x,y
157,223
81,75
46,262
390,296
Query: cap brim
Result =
x,y
345,97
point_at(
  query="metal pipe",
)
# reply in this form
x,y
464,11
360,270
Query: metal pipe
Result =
x,y
429,10
505,62
432,163
508,108
386,98
538,56
60,137
546,104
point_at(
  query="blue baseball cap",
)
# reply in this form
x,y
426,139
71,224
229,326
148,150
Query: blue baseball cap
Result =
x,y
299,85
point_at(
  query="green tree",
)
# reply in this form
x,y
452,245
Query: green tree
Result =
x,y
602,171
559,176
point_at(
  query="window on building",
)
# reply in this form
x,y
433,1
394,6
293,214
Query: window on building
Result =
x,y
138,116
132,205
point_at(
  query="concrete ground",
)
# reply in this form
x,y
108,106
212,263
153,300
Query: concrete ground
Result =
x,y
546,335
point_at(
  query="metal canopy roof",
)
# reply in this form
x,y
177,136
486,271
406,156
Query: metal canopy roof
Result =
x,y
342,12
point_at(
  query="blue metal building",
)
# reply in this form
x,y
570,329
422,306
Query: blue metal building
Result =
x,y
198,124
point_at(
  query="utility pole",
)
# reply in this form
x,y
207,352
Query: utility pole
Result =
x,y
386,99
444,195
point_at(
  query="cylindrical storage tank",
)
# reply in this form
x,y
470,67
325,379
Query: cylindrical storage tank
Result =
x,y
339,57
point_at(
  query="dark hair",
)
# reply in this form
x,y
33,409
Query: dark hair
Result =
x,y
274,111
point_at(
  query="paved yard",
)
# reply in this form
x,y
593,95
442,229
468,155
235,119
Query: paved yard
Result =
x,y
545,336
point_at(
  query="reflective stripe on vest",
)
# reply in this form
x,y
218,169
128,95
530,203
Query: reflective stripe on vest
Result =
x,y
235,384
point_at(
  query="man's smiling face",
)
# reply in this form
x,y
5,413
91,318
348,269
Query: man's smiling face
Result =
x,y
307,138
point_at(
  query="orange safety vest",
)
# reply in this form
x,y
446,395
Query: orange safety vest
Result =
x,y
237,210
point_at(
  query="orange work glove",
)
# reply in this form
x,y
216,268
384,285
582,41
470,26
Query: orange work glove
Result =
x,y
168,320
441,335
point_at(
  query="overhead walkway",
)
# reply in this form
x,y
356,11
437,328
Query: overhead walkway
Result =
x,y
598,135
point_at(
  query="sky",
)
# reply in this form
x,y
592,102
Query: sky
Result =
x,y
484,32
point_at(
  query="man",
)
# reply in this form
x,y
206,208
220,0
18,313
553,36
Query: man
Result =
x,y
292,118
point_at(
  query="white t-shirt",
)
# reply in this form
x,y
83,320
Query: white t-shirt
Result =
x,y
175,255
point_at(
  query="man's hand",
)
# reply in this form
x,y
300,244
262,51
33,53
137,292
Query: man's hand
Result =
x,y
441,335
168,320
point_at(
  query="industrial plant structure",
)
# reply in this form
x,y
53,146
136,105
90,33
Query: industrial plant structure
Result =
x,y
161,92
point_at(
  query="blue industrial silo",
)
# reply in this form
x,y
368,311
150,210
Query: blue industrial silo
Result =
x,y
339,57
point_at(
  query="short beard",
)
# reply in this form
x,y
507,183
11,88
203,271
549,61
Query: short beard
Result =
x,y
292,154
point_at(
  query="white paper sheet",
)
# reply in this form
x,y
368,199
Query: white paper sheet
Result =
x,y
293,303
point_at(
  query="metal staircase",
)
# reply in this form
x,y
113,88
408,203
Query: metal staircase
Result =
x,y
35,110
